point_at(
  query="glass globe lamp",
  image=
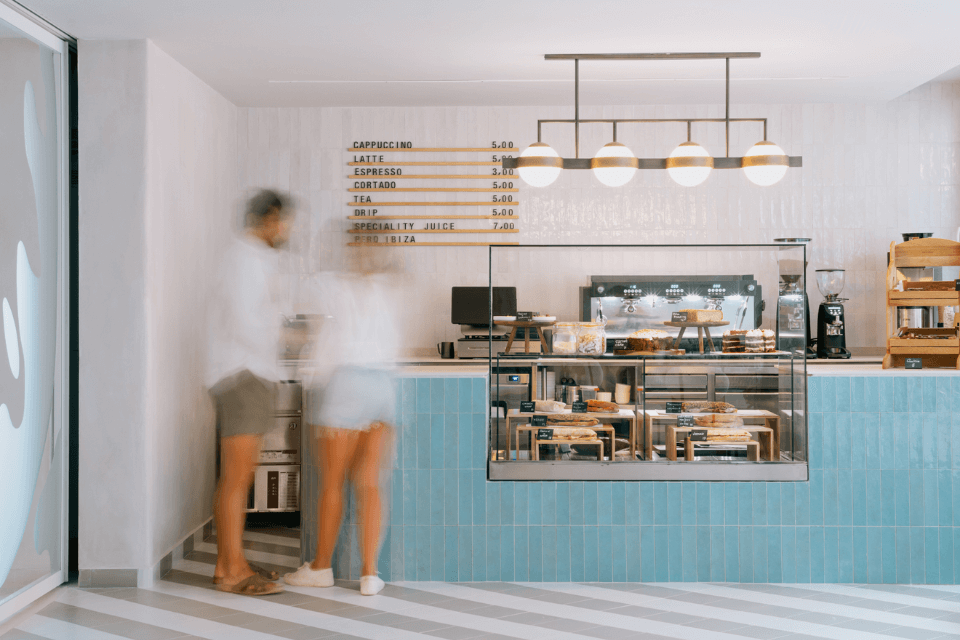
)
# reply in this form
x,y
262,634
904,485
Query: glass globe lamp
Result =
x,y
689,164
539,165
614,165
765,164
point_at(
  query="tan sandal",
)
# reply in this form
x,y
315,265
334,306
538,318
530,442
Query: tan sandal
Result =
x,y
266,574
252,586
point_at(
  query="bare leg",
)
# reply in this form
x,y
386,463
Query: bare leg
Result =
x,y
239,462
366,480
337,449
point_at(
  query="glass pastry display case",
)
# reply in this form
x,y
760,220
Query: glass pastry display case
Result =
x,y
648,381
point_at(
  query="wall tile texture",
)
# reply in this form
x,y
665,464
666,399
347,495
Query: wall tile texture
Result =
x,y
871,171
882,504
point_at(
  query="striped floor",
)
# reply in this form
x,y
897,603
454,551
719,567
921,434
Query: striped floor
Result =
x,y
184,605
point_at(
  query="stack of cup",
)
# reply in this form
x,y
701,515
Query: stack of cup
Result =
x,y
623,394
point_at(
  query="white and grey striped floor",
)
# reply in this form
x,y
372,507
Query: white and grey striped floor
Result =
x,y
184,605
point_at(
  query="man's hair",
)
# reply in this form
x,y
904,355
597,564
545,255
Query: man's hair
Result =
x,y
264,203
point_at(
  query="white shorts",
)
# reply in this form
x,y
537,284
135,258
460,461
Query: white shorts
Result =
x,y
355,398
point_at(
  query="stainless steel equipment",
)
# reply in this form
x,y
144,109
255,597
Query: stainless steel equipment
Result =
x,y
914,317
509,389
630,303
793,305
831,329
276,484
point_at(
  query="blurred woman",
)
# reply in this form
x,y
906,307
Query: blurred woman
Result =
x,y
351,405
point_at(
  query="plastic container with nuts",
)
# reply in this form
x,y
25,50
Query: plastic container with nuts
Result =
x,y
591,339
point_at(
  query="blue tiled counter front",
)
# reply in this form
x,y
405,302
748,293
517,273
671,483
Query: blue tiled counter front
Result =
x,y
882,504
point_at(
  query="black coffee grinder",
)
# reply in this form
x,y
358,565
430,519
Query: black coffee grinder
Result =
x,y
831,338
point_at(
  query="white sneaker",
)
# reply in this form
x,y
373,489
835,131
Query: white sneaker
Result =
x,y
308,577
371,585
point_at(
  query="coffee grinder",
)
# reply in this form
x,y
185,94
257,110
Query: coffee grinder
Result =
x,y
793,305
831,339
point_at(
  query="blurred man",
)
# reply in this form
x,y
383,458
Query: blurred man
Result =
x,y
242,376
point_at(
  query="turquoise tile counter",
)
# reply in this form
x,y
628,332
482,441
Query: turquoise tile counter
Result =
x,y
882,504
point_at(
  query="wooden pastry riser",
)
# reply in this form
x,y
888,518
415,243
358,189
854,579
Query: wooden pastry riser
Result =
x,y
766,439
539,326
535,443
753,449
514,417
750,418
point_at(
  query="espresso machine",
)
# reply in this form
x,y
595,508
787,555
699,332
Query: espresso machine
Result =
x,y
793,305
831,338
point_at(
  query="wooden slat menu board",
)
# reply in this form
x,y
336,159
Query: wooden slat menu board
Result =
x,y
390,204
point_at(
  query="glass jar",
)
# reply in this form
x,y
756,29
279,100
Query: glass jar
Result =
x,y
591,338
565,338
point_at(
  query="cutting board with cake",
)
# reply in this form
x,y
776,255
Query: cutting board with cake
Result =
x,y
649,342
702,320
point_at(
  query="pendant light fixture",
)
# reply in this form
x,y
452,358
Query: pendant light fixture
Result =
x,y
689,164
539,165
765,164
614,165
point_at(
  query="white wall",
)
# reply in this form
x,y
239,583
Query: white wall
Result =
x,y
871,171
191,191
113,523
157,192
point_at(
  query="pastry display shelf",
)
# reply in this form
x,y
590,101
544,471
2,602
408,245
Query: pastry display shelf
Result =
x,y
943,351
750,417
515,418
754,448
535,442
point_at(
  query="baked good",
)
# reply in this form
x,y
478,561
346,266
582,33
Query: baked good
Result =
x,y
571,420
705,406
574,433
703,315
549,406
769,341
727,435
649,340
735,341
718,420
599,406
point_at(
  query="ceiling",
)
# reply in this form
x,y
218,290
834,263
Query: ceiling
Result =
x,y
486,52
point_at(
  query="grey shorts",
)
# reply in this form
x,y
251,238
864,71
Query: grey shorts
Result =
x,y
245,405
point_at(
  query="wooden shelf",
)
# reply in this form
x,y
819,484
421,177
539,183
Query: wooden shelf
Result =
x,y
921,252
436,150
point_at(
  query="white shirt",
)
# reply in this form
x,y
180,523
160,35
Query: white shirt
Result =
x,y
244,321
360,324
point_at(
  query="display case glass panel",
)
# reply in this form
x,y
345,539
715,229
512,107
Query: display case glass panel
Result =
x,y
649,363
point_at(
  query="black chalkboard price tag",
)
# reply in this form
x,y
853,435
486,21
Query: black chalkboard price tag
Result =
x,y
674,407
698,435
579,407
527,407
685,421
913,363
538,421
956,285
617,344
524,316
679,316
544,434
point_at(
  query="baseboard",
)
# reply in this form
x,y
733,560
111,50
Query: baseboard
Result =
x,y
105,578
